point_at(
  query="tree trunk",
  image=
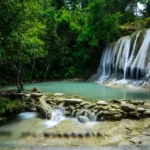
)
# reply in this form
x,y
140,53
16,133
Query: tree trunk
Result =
x,y
19,74
18,85
33,66
46,70
21,78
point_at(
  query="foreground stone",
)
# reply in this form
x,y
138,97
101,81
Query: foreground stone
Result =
x,y
141,109
74,106
73,101
128,107
103,103
137,102
58,94
44,107
101,110
36,90
83,119
34,95
147,112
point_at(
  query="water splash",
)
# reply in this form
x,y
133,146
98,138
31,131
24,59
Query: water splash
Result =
x,y
57,117
27,115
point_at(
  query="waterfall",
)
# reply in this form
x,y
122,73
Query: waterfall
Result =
x,y
126,59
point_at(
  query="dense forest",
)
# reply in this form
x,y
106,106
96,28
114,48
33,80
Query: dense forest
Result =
x,y
56,39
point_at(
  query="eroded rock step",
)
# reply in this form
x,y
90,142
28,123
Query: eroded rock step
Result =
x,y
84,110
101,110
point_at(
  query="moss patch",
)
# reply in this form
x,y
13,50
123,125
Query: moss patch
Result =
x,y
9,107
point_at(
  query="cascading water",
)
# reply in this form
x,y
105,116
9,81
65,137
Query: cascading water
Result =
x,y
57,117
127,59
27,115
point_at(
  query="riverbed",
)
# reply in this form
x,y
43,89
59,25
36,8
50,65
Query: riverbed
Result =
x,y
28,122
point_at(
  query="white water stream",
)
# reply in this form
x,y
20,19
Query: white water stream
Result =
x,y
57,117
127,60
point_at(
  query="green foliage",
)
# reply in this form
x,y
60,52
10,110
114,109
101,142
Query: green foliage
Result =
x,y
140,24
46,39
58,3
22,37
101,26
8,106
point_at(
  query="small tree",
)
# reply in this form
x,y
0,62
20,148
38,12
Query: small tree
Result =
x,y
21,41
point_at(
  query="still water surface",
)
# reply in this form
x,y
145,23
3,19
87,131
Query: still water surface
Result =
x,y
88,90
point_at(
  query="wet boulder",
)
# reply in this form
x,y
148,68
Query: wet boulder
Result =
x,y
45,108
102,103
92,116
90,106
27,95
73,101
105,107
114,111
137,102
36,90
147,105
141,109
147,112
83,119
117,116
84,103
134,114
127,107
115,106
58,94
67,113
36,95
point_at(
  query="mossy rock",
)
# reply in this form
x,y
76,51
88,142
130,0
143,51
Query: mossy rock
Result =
x,y
9,107
36,90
